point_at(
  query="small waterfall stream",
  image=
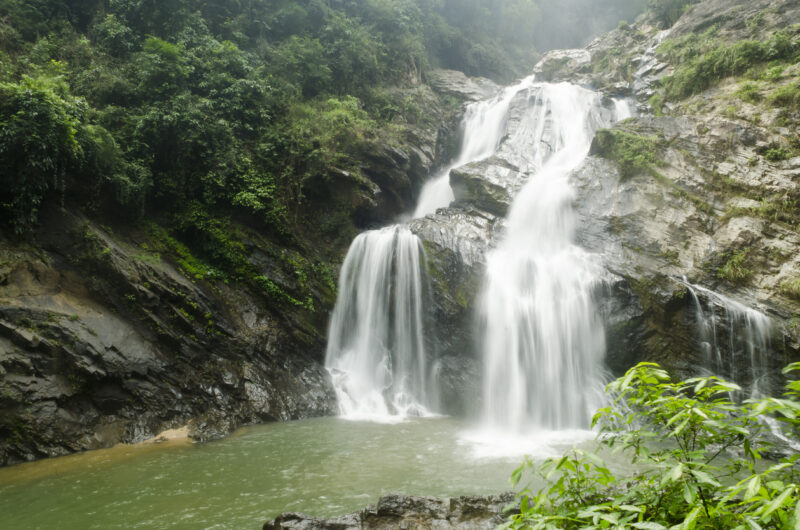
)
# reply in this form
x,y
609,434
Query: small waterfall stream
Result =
x,y
483,128
742,355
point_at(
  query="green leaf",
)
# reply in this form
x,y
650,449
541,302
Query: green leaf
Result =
x,y
797,515
752,524
673,474
516,475
689,493
648,526
704,478
791,368
691,520
703,382
775,485
752,488
679,429
778,501
591,511
612,518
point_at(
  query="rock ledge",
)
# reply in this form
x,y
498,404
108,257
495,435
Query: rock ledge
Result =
x,y
412,513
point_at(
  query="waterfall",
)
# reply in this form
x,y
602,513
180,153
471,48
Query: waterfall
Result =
x,y
543,341
483,127
745,344
376,351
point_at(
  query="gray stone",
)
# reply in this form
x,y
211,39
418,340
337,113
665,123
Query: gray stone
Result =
x,y
411,513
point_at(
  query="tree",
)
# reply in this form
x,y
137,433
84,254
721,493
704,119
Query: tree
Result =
x,y
39,123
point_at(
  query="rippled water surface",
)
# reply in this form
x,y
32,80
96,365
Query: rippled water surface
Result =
x,y
324,467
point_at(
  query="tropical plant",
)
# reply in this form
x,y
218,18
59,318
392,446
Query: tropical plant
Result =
x,y
699,457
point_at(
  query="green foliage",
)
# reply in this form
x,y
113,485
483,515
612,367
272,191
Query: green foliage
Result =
x,y
791,288
749,92
633,153
39,123
190,265
698,459
701,61
656,103
778,153
113,36
162,68
241,107
786,96
735,270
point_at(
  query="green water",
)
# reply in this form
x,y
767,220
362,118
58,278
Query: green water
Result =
x,y
324,467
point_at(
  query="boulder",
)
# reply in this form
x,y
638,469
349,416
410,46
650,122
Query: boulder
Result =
x,y
409,512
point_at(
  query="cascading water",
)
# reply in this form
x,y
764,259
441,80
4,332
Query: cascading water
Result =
x,y
543,341
376,350
742,355
483,129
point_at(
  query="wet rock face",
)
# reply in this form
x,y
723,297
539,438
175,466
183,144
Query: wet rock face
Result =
x,y
455,242
554,63
707,208
457,84
103,347
103,342
687,216
413,513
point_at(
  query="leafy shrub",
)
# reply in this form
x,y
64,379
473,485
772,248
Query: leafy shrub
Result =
x,y
697,72
114,36
633,153
749,92
791,288
735,270
39,124
777,153
786,96
698,459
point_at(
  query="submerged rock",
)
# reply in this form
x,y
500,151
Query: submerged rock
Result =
x,y
412,513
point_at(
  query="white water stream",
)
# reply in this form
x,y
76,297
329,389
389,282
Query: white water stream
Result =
x,y
376,351
747,347
543,341
484,125
743,353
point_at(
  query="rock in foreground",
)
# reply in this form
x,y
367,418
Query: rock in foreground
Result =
x,y
412,513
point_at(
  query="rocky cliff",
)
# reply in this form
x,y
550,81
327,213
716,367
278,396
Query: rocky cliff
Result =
x,y
691,205
113,334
